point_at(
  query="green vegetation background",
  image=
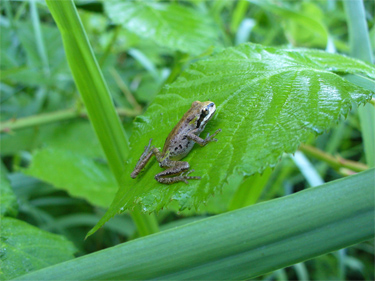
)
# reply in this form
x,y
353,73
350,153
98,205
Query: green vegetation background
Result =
x,y
56,182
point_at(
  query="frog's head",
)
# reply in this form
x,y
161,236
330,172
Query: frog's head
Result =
x,y
204,112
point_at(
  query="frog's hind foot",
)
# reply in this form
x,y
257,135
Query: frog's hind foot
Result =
x,y
184,177
161,177
145,157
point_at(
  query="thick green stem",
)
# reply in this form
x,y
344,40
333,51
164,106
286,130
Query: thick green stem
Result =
x,y
57,116
94,91
37,120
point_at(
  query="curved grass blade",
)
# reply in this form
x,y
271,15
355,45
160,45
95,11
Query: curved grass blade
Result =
x,y
241,244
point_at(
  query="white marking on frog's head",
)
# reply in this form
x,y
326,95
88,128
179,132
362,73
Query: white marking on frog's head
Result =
x,y
208,109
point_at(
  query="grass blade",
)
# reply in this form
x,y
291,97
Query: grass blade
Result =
x,y
91,85
38,37
240,244
95,94
361,48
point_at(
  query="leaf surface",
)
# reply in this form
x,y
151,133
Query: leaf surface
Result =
x,y
268,102
8,200
304,27
175,26
79,175
26,245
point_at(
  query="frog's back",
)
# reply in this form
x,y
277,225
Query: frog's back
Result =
x,y
177,143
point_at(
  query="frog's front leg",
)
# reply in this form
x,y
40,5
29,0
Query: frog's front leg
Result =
x,y
178,168
202,142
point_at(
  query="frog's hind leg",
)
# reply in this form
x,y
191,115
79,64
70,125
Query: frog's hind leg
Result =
x,y
145,157
179,169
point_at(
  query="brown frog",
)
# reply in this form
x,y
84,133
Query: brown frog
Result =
x,y
179,143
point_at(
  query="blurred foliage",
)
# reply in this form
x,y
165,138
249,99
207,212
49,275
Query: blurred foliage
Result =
x,y
25,248
55,176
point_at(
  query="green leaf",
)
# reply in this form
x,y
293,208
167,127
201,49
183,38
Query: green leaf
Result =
x,y
29,43
304,28
26,139
175,26
9,57
268,102
77,137
72,160
339,64
8,200
241,244
34,74
24,248
81,176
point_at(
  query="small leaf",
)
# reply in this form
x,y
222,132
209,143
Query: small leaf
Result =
x,y
268,102
303,28
8,200
25,248
77,137
81,176
175,26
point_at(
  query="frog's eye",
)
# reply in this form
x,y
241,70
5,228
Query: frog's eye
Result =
x,y
205,111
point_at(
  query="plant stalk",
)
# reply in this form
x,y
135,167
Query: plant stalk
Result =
x,y
335,162
57,116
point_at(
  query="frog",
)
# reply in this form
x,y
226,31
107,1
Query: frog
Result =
x,y
178,144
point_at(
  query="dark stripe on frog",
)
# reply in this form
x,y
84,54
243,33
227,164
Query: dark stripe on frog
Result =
x,y
204,113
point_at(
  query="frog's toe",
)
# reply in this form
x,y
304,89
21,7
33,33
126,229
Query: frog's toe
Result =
x,y
184,177
188,172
